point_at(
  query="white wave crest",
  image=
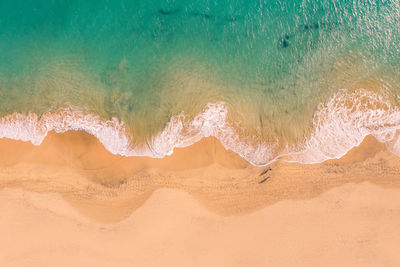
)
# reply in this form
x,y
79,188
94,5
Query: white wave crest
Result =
x,y
345,120
212,121
339,125
113,135
33,128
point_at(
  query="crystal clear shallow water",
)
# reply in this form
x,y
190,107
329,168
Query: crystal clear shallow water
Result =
x,y
268,64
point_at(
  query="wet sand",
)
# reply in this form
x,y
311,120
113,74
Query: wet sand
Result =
x,y
70,201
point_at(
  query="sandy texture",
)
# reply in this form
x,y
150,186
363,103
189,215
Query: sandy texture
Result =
x,y
69,201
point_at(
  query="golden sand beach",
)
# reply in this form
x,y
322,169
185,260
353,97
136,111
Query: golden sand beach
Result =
x,y
71,202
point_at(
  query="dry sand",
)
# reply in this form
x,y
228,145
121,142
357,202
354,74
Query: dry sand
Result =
x,y
70,202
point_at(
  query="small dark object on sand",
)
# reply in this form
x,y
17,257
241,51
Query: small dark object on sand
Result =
x,y
265,171
264,180
168,12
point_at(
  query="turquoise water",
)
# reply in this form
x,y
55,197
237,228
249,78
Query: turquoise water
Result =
x,y
271,64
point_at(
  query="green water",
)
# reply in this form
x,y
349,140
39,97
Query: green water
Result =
x,y
270,62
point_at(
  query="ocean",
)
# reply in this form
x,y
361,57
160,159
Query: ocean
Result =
x,y
303,79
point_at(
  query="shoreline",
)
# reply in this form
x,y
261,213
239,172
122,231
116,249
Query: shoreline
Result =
x,y
83,205
98,183
338,125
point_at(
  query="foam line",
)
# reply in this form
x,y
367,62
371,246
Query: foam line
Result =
x,y
339,125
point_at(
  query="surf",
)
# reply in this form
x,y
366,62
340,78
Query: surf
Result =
x,y
339,124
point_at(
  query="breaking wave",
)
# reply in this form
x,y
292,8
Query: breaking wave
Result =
x,y
338,125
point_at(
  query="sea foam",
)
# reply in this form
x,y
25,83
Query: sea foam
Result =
x,y
338,125
345,120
